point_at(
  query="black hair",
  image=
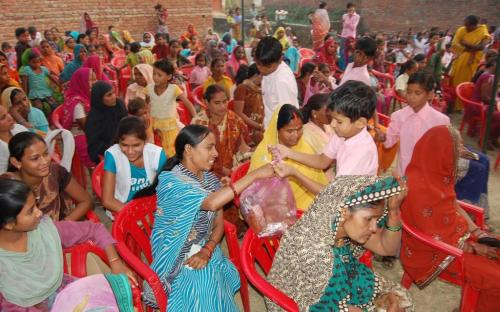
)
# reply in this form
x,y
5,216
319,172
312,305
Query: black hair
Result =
x,y
307,69
268,51
131,125
424,79
80,38
32,55
314,103
68,40
171,42
322,66
200,56
215,61
135,47
286,114
19,143
189,135
406,66
322,4
91,46
19,31
433,33
242,74
162,35
13,197
367,45
253,70
165,66
185,44
472,20
135,104
350,5
5,45
110,27
14,93
227,38
354,100
419,58
211,91
32,29
4,55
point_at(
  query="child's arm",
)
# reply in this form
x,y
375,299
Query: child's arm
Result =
x,y
392,135
318,161
283,171
188,104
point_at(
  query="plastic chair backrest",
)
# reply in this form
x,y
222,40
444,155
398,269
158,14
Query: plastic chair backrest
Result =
x,y
384,78
384,120
306,53
55,117
198,97
97,179
465,91
184,115
118,61
237,174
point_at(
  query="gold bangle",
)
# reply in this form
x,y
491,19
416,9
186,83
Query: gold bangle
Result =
x,y
113,260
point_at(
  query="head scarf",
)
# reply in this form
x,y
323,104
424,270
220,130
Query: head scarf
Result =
x,y
188,34
261,156
78,92
94,62
229,42
146,71
127,37
303,264
284,41
102,121
23,281
52,61
13,74
145,56
212,51
345,50
430,204
322,56
76,63
150,44
12,82
234,63
86,25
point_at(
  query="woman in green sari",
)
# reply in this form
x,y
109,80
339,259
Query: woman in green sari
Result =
x,y
317,262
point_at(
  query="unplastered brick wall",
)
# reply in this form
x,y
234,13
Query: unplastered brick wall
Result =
x,y
399,15
134,16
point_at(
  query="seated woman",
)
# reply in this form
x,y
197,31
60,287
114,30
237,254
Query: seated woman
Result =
x,y
229,128
106,110
79,56
248,103
142,76
327,54
317,262
54,187
95,63
8,128
482,93
50,59
237,58
30,241
218,78
306,72
286,128
431,206
189,226
130,165
20,108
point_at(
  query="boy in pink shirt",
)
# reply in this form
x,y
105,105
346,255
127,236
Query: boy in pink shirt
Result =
x,y
352,105
409,124
366,48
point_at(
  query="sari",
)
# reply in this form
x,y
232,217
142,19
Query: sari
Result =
x,y
13,74
253,106
234,63
322,56
318,139
261,157
127,37
431,207
284,41
466,63
229,135
12,82
179,225
53,63
76,63
321,272
386,156
95,64
189,33
346,52
293,56
87,24
320,27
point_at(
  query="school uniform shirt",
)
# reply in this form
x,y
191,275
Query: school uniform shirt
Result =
x,y
278,88
356,73
408,127
401,83
349,25
357,155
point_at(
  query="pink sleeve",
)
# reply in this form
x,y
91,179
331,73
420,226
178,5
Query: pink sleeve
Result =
x,y
393,132
332,147
73,233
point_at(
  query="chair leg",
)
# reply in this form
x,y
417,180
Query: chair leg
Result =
x,y
406,280
469,298
244,293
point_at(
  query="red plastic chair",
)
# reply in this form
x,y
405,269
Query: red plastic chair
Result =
x,y
124,74
198,97
132,230
469,294
78,255
397,99
262,251
237,174
97,179
184,115
306,53
464,93
384,120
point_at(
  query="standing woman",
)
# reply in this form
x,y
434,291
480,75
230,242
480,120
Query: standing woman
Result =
x,y
87,24
106,111
320,25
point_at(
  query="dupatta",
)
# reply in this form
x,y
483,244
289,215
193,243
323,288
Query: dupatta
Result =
x,y
78,92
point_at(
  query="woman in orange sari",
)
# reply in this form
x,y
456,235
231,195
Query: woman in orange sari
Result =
x,y
320,25
468,44
431,206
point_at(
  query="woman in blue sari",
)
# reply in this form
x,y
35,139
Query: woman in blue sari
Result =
x,y
189,227
80,54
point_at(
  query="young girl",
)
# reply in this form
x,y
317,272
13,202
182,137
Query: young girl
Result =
x,y
218,78
142,75
235,60
175,56
200,72
163,95
321,82
34,81
407,69
31,250
130,165
51,183
140,108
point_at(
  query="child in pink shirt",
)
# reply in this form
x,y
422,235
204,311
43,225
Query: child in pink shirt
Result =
x,y
351,106
366,48
350,21
409,124
200,72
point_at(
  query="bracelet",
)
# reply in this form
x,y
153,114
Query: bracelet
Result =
x,y
113,260
207,246
231,185
209,251
393,228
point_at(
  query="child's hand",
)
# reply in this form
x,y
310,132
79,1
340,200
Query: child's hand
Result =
x,y
379,135
279,152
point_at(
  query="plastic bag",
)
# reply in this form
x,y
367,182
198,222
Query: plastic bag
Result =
x,y
268,206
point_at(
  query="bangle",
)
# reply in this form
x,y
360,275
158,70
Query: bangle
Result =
x,y
231,185
113,260
393,228
209,251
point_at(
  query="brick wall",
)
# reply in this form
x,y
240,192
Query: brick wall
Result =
x,y
135,16
399,15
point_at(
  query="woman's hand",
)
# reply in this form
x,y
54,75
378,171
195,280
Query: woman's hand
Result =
x,y
282,170
266,171
279,152
394,202
483,250
118,267
198,261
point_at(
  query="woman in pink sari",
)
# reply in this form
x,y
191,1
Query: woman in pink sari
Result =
x,y
75,110
94,62
320,25
237,58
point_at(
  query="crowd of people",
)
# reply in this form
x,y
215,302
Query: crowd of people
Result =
x,y
196,107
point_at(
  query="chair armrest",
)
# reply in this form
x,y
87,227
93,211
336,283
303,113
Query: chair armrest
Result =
x,y
476,211
429,241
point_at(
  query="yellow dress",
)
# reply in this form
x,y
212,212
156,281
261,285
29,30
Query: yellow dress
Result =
x,y
261,156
